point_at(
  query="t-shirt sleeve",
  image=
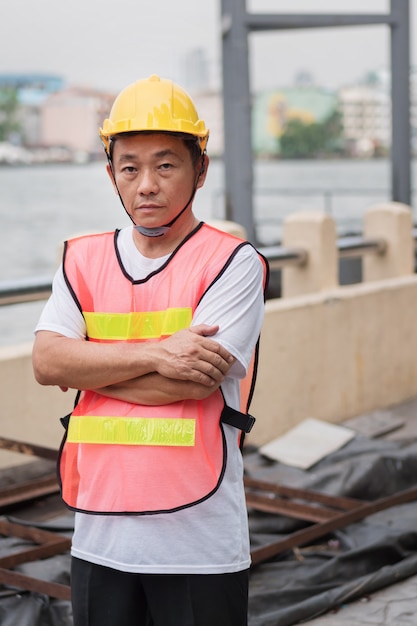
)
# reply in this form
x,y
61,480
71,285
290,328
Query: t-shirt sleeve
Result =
x,y
236,303
61,314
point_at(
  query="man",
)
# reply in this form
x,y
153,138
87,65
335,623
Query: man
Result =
x,y
156,324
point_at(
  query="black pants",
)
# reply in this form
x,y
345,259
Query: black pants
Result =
x,y
102,596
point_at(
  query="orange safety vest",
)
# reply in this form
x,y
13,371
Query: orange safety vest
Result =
x,y
123,458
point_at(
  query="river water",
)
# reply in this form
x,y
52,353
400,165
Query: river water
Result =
x,y
41,206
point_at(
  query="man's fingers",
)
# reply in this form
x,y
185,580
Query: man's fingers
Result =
x,y
221,360
204,330
215,352
207,376
192,355
211,372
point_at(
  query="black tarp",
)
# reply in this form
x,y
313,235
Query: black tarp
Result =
x,y
298,585
24,608
351,562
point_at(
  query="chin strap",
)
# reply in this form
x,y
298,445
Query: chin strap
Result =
x,y
152,232
158,231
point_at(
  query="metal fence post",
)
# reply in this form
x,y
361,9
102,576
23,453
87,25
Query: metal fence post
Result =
x,y
237,117
400,96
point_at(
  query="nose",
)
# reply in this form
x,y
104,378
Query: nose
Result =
x,y
147,183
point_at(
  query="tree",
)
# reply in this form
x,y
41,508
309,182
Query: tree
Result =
x,y
306,140
8,113
333,130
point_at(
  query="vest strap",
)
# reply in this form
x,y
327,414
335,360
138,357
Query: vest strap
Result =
x,y
241,421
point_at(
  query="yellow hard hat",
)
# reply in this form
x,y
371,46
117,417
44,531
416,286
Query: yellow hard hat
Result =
x,y
153,104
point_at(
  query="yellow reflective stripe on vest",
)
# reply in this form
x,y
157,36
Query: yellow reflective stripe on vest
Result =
x,y
138,325
138,431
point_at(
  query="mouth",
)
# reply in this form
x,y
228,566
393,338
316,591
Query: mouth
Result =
x,y
147,211
148,207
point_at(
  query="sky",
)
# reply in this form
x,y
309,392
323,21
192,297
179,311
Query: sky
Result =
x,y
108,44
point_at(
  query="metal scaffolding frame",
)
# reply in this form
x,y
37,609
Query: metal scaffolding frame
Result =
x,y
237,24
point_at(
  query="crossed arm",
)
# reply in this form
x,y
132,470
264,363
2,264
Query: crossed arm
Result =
x,y
189,364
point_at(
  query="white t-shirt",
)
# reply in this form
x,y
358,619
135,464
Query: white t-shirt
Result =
x,y
211,537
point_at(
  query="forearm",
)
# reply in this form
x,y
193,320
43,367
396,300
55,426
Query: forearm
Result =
x,y
154,389
66,362
189,355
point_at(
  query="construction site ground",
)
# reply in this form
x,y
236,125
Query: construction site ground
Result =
x,y
379,599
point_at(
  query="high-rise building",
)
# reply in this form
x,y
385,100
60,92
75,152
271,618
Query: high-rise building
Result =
x,y
366,113
195,70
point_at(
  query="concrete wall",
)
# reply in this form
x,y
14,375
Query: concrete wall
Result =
x,y
327,351
28,411
335,355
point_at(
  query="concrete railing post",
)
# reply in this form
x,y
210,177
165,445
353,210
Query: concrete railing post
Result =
x,y
316,233
229,227
393,223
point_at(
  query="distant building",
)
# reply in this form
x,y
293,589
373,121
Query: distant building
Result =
x,y
195,70
273,109
32,89
366,114
53,115
71,118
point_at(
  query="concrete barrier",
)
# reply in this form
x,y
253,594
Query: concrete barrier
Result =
x,y
29,412
335,355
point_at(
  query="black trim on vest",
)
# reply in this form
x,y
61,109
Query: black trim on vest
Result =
x,y
225,266
162,267
67,281
266,281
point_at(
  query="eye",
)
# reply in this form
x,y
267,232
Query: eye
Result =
x,y
165,167
128,169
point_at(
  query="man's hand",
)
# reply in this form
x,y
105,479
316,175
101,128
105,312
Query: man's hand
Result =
x,y
191,355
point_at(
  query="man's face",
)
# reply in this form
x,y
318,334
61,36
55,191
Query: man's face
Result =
x,y
155,177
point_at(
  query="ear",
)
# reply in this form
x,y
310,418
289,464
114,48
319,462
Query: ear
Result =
x,y
111,176
203,171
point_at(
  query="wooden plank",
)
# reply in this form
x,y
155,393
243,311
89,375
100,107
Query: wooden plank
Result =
x,y
20,581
